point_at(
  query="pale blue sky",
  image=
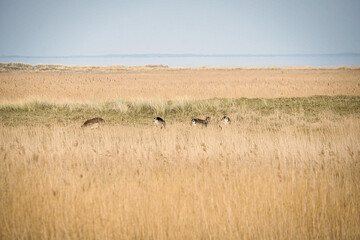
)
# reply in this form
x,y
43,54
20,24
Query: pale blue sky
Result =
x,y
63,28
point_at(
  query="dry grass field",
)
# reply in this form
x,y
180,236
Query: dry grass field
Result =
x,y
288,167
93,84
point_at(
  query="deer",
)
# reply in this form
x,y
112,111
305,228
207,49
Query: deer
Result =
x,y
159,122
200,122
93,123
226,120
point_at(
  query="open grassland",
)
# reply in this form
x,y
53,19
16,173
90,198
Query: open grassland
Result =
x,y
247,181
288,167
141,112
76,84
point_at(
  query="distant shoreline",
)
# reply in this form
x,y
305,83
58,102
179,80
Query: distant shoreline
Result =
x,y
24,67
190,55
194,60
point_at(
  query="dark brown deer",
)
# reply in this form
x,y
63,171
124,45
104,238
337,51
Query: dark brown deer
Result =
x,y
93,123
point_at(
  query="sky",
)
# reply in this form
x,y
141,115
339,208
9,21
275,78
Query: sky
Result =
x,y
67,27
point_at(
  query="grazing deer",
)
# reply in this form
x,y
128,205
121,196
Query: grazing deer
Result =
x,y
226,120
159,122
93,123
200,122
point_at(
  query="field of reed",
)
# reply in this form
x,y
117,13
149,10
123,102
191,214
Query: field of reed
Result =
x,y
66,84
286,168
301,181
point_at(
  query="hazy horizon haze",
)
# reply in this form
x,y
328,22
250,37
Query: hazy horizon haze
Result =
x,y
56,29
66,28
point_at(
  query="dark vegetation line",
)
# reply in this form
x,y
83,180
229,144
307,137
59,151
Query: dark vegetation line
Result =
x,y
138,112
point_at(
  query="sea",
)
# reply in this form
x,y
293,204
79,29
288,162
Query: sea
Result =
x,y
194,60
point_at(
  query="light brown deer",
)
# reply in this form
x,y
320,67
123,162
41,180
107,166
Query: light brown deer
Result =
x,y
159,122
226,120
200,122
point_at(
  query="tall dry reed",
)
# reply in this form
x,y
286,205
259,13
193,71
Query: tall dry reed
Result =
x,y
247,181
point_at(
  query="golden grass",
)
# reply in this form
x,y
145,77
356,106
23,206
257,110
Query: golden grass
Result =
x,y
246,181
287,168
171,83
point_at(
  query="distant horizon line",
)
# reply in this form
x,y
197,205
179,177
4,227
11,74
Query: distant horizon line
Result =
x,y
184,55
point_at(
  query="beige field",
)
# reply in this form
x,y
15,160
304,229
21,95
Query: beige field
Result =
x,y
285,169
85,84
